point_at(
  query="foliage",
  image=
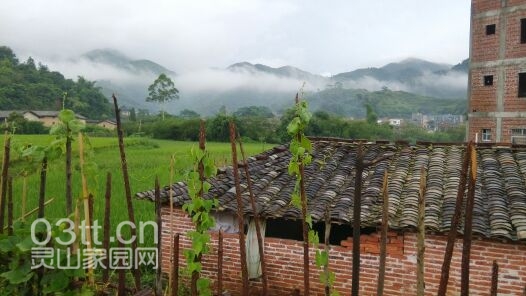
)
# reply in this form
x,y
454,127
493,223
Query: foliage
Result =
x,y
17,124
199,209
254,111
301,149
187,113
17,276
26,86
386,103
162,90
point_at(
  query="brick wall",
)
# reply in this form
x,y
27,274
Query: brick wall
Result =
x,y
477,124
514,47
285,263
483,97
485,47
479,6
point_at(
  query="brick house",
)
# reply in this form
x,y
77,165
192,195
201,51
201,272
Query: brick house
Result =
x,y
499,223
48,118
497,73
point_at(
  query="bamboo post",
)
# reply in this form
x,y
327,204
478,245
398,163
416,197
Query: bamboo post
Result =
x,y
420,281
69,190
22,218
256,218
494,279
172,225
42,192
444,277
356,222
158,282
10,206
327,249
86,198
136,272
200,169
121,290
24,195
305,227
383,237
220,264
240,208
175,269
468,224
3,185
107,229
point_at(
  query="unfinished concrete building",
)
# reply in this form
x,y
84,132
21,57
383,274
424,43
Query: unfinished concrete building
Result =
x,y
497,75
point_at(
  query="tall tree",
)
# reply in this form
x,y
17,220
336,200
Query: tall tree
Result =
x,y
161,91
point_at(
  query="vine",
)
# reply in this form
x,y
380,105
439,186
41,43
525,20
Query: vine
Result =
x,y
199,210
301,149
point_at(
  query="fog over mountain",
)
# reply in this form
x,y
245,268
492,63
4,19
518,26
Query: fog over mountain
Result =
x,y
245,84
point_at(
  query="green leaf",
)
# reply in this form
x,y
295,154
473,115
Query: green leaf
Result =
x,y
313,237
308,220
26,244
294,126
322,258
66,115
56,281
76,126
19,275
203,287
6,245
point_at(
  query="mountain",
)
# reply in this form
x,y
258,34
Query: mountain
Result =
x,y
118,60
405,70
33,86
413,75
131,77
284,72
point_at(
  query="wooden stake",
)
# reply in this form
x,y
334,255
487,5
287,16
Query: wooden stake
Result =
x,y
85,197
10,206
256,218
175,269
494,279
42,192
327,249
356,222
442,288
240,208
383,238
69,190
107,229
122,275
172,225
24,195
3,184
158,282
305,226
420,281
468,225
124,164
220,264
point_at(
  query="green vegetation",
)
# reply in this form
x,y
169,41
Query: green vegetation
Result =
x,y
26,86
146,159
162,90
385,102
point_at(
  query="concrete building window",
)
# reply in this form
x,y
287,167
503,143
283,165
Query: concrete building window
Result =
x,y
523,30
488,80
522,85
486,135
490,29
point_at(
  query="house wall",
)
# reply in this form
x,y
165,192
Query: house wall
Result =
x,y
284,260
502,55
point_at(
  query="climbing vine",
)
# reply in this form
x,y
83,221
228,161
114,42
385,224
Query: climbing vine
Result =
x,y
301,149
199,210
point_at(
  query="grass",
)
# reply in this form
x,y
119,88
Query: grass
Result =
x,y
146,158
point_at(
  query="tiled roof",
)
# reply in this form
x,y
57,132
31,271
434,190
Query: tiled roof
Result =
x,y
500,197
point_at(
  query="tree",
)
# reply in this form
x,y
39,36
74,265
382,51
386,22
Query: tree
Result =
x,y
370,114
161,91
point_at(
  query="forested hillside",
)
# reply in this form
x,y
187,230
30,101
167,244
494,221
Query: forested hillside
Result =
x,y
27,86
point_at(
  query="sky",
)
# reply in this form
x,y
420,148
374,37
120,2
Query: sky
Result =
x,y
323,37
